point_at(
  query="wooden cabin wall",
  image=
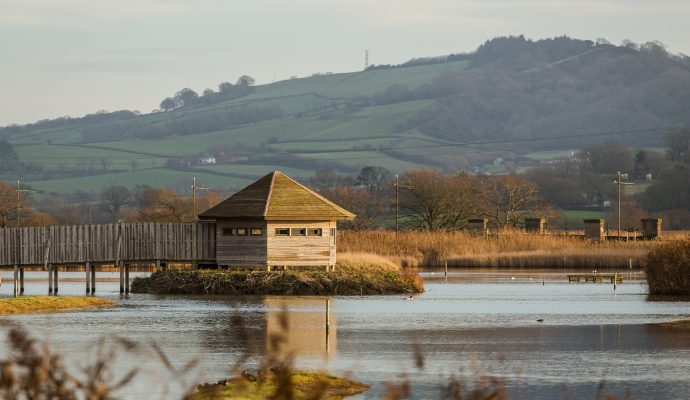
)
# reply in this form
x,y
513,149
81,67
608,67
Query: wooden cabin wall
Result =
x,y
301,250
240,250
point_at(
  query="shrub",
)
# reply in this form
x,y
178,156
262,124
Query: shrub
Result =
x,y
668,268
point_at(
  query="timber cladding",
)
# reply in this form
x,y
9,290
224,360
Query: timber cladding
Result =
x,y
106,243
237,246
316,247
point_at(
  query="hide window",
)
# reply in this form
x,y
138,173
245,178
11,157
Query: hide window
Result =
x,y
228,231
282,231
315,232
242,231
256,231
298,232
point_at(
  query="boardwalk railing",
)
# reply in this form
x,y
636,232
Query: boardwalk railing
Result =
x,y
107,243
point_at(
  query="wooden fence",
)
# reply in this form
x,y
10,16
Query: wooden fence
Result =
x,y
107,243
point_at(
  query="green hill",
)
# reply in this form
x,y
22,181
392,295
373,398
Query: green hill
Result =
x,y
489,110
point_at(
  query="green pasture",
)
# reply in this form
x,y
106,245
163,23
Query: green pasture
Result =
x,y
549,154
154,177
70,157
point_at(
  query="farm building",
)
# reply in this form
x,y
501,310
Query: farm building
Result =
x,y
276,221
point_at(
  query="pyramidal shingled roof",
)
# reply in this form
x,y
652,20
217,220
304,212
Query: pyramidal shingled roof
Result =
x,y
276,196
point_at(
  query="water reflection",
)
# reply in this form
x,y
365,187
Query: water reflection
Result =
x,y
589,334
305,331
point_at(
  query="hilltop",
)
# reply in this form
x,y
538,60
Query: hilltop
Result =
x,y
462,111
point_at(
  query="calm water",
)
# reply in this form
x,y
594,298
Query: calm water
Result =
x,y
467,326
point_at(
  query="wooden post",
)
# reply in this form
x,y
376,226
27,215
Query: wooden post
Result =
x,y
55,280
21,280
158,265
16,280
446,271
328,318
88,277
126,278
615,280
50,279
93,279
122,276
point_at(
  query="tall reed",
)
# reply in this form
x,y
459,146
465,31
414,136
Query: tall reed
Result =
x,y
507,249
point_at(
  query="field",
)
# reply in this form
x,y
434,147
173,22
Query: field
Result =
x,y
314,130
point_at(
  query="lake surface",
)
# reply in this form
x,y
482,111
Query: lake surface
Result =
x,y
472,324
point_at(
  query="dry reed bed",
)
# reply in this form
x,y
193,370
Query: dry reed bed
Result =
x,y
508,249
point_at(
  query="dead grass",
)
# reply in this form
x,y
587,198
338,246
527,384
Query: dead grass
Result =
x,y
35,304
508,249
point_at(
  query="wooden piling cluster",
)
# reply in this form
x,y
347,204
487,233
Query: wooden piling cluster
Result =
x,y
106,244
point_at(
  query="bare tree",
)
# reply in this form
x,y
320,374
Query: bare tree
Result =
x,y
368,208
436,201
115,197
8,204
510,198
374,178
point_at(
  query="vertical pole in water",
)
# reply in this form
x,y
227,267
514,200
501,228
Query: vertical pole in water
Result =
x,y
615,280
328,325
88,277
122,277
21,280
630,265
328,318
126,278
50,279
93,279
55,280
446,272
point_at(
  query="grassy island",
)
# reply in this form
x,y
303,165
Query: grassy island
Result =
x,y
352,276
301,385
36,304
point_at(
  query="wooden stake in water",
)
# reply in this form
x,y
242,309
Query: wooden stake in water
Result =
x,y
446,273
328,318
615,280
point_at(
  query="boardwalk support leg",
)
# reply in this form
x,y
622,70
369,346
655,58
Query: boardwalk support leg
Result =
x,y
50,279
21,280
93,279
122,277
55,280
15,281
126,278
88,277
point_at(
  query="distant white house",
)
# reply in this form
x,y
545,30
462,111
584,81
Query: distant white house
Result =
x,y
208,160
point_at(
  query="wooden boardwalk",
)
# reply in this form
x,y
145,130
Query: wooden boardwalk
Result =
x,y
598,278
106,244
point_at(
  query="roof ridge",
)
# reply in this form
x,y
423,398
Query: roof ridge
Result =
x,y
270,191
318,196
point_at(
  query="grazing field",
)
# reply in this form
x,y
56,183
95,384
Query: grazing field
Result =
x,y
313,119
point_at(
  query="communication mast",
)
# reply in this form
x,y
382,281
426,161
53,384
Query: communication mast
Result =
x,y
366,59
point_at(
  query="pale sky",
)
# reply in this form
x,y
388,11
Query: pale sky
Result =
x,y
73,57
